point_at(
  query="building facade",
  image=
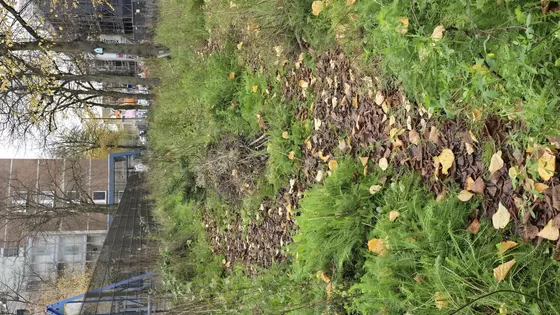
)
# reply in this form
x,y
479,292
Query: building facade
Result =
x,y
53,219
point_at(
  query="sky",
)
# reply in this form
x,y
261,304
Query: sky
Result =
x,y
13,149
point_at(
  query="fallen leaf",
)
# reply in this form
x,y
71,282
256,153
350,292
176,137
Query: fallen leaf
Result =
x,y
404,27
342,145
469,147
437,34
322,157
385,107
512,172
377,245
333,165
441,300
355,101
240,45
465,195
317,123
472,136
540,187
379,98
434,135
501,218
260,121
474,227
446,159
469,183
232,75
391,120
502,270
255,88
476,114
291,155
478,186
285,135
323,276
383,164
319,176
393,215
504,246
546,165
496,162
374,189
303,84
317,7
364,160
550,232
350,2
413,136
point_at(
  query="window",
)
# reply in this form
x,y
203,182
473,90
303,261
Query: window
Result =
x,y
71,249
19,198
11,252
100,197
46,198
73,197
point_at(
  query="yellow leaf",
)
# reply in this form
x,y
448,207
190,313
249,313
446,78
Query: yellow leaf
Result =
x,y
476,114
496,162
540,187
546,165
393,215
303,84
355,101
512,172
322,157
441,300
324,277
403,29
446,159
291,155
550,232
377,245
469,147
472,136
504,246
480,69
255,88
333,165
317,7
285,135
364,160
502,270
232,75
252,26
469,184
374,189
383,164
350,2
465,195
391,120
240,45
437,34
3,86
500,219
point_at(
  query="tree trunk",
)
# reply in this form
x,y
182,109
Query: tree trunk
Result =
x,y
118,106
107,93
106,78
140,50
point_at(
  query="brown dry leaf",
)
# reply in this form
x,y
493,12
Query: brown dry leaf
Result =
x,y
413,136
232,75
502,270
465,195
252,26
285,135
393,215
446,159
355,101
540,187
260,121
478,186
441,300
383,164
505,246
333,165
501,218
496,163
364,160
469,147
317,7
550,232
322,157
379,98
437,34
342,145
403,29
434,135
377,245
325,277
291,155
374,189
546,165
474,227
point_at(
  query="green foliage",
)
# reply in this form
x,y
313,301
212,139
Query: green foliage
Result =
x,y
335,218
429,251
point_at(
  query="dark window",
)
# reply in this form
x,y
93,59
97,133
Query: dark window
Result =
x,y
11,252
